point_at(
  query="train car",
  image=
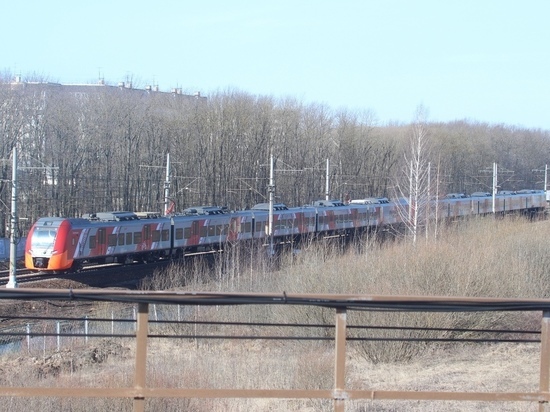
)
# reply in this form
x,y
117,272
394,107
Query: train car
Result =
x,y
531,200
241,226
528,201
288,223
205,228
334,217
5,249
306,220
59,244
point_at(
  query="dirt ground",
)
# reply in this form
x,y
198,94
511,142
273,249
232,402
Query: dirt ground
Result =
x,y
17,308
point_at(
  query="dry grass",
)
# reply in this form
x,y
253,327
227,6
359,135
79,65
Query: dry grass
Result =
x,y
503,258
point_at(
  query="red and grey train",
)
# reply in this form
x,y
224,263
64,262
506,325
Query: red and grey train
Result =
x,y
65,244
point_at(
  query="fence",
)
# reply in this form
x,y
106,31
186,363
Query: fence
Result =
x,y
140,330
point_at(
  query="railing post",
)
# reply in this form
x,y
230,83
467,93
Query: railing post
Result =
x,y
340,361
544,384
58,332
141,354
29,338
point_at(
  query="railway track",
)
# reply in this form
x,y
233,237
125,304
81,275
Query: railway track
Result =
x,y
100,276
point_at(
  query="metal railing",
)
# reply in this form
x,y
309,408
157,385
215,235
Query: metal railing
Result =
x,y
341,304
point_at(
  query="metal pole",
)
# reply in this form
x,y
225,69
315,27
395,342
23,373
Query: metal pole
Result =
x,y
546,181
327,184
271,190
12,282
167,185
495,183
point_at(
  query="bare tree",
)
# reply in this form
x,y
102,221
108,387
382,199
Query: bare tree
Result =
x,y
416,179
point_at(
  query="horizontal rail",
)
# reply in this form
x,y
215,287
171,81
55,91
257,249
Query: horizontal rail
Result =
x,y
275,394
348,301
340,303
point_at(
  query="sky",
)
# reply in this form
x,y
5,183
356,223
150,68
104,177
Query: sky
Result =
x,y
478,60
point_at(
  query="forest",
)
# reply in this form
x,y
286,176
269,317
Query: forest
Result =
x,y
103,148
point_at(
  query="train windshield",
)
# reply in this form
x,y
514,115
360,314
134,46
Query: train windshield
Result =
x,y
43,237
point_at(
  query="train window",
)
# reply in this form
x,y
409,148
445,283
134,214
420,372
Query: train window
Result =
x,y
156,235
146,232
165,235
203,231
92,242
121,239
179,233
247,227
129,238
258,226
112,239
211,230
137,238
187,233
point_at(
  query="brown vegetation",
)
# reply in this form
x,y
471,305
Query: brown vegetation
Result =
x,y
483,257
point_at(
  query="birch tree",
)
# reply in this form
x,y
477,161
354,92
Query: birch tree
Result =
x,y
414,185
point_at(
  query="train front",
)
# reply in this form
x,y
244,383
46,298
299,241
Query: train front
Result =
x,y
46,248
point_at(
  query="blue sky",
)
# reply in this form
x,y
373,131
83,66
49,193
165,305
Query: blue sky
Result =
x,y
480,60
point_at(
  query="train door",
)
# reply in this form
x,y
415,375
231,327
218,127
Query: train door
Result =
x,y
146,237
194,240
101,242
73,244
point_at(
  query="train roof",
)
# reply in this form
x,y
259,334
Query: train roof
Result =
x,y
328,203
111,216
265,206
205,210
370,201
148,215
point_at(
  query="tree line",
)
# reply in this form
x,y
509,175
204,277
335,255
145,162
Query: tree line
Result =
x,y
99,149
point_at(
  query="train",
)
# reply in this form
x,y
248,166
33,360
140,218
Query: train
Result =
x,y
5,249
61,245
